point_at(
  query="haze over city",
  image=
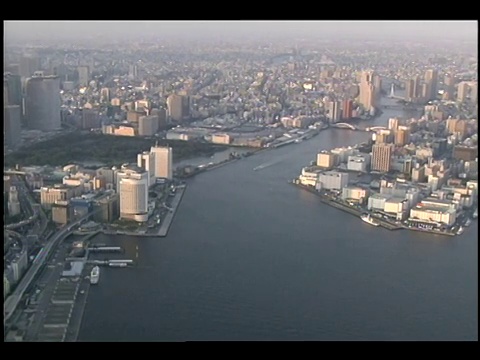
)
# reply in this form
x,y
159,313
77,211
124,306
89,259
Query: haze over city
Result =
x,y
408,30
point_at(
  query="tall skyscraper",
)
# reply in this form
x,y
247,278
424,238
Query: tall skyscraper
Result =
x,y
347,109
83,75
163,162
42,103
402,136
449,81
367,91
474,92
334,111
178,107
382,157
431,80
410,90
146,161
134,196
393,123
11,126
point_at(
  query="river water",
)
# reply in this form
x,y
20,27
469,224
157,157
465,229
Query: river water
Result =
x,y
250,257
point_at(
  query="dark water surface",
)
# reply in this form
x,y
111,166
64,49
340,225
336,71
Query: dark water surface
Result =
x,y
250,257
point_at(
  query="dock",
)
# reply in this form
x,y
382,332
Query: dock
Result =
x,y
165,226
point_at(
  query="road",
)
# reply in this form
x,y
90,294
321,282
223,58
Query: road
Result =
x,y
13,300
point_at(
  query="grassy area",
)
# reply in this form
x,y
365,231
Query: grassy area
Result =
x,y
107,149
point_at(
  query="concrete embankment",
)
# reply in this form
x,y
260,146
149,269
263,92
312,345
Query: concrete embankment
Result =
x,y
165,226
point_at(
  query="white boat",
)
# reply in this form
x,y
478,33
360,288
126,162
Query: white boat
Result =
x,y
460,230
368,219
95,275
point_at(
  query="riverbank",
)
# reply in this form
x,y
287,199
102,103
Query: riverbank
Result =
x,y
358,212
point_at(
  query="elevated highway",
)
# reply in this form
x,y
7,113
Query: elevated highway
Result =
x,y
14,299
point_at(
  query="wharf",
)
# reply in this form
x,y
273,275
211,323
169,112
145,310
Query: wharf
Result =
x,y
165,226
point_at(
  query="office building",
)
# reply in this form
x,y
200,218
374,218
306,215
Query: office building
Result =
x,y
163,162
90,119
410,90
449,83
334,112
367,91
133,190
347,109
382,157
462,91
359,162
333,180
402,136
42,103
178,107
107,208
326,159
11,126
61,212
393,124
50,195
224,139
146,161
465,153
147,125
431,82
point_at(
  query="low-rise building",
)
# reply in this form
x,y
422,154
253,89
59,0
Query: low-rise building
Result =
x,y
333,180
358,162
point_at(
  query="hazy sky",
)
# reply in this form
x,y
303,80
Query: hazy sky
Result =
x,y
16,30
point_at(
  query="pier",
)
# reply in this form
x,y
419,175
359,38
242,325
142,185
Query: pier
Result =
x,y
165,226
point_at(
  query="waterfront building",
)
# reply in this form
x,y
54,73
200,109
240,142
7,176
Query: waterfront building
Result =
x,y
383,136
133,190
310,176
355,193
11,126
377,201
434,211
334,111
393,124
397,206
163,161
358,162
342,154
367,90
347,109
221,139
42,103
382,157
146,161
326,159
106,207
333,180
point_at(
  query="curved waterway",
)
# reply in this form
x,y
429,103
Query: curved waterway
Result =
x,y
250,257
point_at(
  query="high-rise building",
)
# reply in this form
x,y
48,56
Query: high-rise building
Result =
x,y
28,65
163,161
393,123
133,190
474,92
347,109
377,83
431,80
11,126
147,125
449,82
326,159
367,91
462,92
146,161
105,95
178,107
42,103
334,111
12,89
461,128
83,75
402,135
410,90
382,157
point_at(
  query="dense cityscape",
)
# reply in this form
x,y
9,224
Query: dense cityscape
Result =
x,y
103,140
